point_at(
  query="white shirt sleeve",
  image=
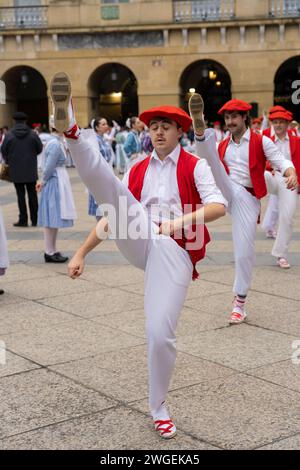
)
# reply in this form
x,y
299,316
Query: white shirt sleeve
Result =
x,y
275,157
206,185
265,123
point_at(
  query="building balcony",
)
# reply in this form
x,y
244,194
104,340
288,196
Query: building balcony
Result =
x,y
203,10
284,8
23,17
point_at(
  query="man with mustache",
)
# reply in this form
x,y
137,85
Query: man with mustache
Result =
x,y
239,172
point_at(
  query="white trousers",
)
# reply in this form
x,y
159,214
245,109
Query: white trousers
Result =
x,y
244,209
271,216
287,205
168,268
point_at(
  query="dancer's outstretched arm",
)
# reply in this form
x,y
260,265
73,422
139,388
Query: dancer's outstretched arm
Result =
x,y
205,214
97,235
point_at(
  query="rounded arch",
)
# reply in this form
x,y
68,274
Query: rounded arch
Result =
x,y
26,90
112,91
286,75
211,80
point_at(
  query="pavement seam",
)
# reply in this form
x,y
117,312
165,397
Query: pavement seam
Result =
x,y
95,355
264,379
279,439
270,329
118,402
253,290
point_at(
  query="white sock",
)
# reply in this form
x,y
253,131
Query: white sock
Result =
x,y
239,304
161,413
50,235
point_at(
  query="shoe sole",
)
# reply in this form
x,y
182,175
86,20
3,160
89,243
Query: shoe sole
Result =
x,y
283,267
169,437
60,92
52,261
231,322
166,436
196,108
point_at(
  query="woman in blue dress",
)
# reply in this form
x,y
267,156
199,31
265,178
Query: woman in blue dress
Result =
x,y
100,127
133,146
56,208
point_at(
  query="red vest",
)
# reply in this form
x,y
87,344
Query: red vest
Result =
x,y
257,162
188,195
295,154
267,132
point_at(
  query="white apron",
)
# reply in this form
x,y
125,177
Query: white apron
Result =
x,y
67,206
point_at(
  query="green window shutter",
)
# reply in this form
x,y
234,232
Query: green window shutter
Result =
x,y
110,13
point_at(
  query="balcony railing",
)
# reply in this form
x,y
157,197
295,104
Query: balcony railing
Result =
x,y
283,8
203,10
23,17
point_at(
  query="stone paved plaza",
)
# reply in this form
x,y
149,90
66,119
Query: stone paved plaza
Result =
x,y
76,374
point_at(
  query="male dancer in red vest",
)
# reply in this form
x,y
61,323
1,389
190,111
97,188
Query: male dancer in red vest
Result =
x,y
270,219
269,131
289,146
242,181
256,125
158,189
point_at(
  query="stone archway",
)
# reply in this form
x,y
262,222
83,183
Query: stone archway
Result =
x,y
285,76
26,90
112,90
211,80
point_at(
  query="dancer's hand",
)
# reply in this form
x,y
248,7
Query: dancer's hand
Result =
x,y
76,266
38,187
291,179
167,228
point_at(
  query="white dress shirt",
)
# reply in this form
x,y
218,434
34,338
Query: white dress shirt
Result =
x,y
284,146
160,193
237,159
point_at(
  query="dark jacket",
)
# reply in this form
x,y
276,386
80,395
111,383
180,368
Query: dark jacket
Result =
x,y
20,149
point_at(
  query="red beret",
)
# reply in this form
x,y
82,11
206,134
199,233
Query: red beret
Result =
x,y
170,112
281,115
275,109
235,105
217,123
257,121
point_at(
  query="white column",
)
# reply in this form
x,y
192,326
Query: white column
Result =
x,y
203,36
166,37
19,42
242,35
281,32
223,36
37,42
185,37
55,41
262,31
2,44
